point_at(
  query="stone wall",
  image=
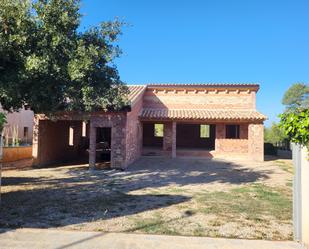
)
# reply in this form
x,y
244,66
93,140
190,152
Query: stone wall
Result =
x,y
256,141
168,136
117,123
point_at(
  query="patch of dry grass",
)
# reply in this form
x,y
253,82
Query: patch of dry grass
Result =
x,y
177,197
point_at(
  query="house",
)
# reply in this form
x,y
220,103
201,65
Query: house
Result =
x,y
208,120
19,126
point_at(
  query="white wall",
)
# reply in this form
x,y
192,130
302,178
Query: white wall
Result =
x,y
23,118
301,194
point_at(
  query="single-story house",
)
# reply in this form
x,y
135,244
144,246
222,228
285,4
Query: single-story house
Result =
x,y
200,120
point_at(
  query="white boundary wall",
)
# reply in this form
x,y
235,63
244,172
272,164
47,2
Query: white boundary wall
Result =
x,y
301,194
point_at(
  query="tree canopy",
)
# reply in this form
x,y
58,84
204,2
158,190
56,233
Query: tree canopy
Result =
x,y
274,134
297,96
48,64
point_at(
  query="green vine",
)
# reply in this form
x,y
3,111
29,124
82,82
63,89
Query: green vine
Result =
x,y
296,126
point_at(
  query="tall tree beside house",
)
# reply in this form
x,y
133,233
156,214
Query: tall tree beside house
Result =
x,y
297,96
48,64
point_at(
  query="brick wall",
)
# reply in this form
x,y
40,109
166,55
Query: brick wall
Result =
x,y
51,141
134,133
256,141
237,146
250,144
199,99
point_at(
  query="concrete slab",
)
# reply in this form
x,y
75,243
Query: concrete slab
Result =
x,y
60,239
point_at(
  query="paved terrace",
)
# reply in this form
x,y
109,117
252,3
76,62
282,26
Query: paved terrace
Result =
x,y
57,239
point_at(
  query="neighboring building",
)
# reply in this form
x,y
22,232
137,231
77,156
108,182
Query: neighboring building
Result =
x,y
22,123
208,120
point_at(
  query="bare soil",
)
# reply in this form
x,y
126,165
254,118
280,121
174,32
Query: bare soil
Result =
x,y
199,197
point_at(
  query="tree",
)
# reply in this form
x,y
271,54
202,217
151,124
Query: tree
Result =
x,y
50,66
296,126
296,96
295,120
47,64
274,134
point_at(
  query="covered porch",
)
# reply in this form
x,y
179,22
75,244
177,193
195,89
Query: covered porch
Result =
x,y
190,136
75,138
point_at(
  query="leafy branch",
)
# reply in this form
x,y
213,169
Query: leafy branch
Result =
x,y
296,126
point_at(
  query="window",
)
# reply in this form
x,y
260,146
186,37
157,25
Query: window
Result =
x,y
71,136
158,130
204,131
232,131
26,131
84,129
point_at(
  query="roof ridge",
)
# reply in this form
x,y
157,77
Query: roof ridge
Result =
x,y
197,83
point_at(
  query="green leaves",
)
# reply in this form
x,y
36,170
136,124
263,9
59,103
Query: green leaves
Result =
x,y
50,66
296,126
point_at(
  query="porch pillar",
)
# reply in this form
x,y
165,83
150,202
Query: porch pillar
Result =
x,y
92,146
174,140
256,141
36,141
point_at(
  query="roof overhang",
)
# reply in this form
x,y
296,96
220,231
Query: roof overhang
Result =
x,y
201,115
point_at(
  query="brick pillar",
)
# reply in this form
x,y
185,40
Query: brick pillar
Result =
x,y
92,145
174,130
256,142
220,134
167,137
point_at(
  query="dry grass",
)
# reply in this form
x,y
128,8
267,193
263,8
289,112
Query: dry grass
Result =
x,y
161,196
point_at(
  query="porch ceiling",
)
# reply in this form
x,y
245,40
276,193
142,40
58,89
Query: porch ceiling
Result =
x,y
202,114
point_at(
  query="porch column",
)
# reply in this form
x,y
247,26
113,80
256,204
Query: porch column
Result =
x,y
92,146
256,141
220,135
174,140
35,141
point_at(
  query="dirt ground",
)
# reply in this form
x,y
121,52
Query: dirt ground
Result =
x,y
199,197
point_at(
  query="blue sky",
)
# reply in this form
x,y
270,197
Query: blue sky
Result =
x,y
217,41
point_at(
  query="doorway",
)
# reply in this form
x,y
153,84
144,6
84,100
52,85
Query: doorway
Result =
x,y
103,147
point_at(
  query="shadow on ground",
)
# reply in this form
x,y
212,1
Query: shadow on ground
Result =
x,y
86,196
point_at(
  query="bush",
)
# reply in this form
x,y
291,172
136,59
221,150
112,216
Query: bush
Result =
x,y
270,149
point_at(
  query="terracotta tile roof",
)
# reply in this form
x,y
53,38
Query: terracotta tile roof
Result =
x,y
135,91
198,114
